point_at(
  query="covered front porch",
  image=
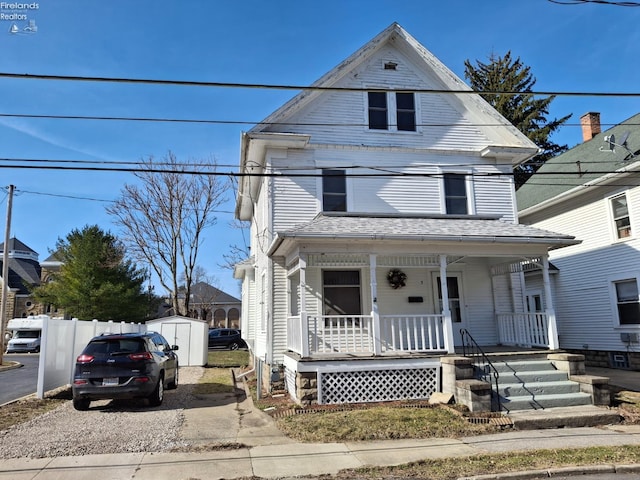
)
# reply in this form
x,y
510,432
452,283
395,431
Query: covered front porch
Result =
x,y
484,295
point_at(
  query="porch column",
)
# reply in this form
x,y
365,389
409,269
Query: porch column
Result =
x,y
554,343
447,325
304,321
375,314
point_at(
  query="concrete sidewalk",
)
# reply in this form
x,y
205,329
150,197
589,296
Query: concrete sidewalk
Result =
x,y
298,459
267,453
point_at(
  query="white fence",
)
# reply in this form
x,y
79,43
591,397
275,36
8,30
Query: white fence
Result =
x,y
62,341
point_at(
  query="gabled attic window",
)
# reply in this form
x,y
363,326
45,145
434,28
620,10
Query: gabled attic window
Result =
x,y
384,106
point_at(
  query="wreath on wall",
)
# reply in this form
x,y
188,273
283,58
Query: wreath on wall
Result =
x,y
396,278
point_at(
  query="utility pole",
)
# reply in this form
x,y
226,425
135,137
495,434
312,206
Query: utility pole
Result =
x,y
5,272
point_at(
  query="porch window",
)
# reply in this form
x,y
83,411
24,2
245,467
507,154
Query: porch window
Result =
x,y
455,193
341,290
620,213
627,299
334,191
378,111
453,290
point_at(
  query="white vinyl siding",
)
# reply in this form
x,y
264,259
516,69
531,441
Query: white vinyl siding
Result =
x,y
342,117
584,303
280,311
297,200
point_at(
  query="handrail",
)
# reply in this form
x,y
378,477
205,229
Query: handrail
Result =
x,y
484,370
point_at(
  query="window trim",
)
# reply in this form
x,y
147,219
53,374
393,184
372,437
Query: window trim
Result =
x,y
612,218
392,111
613,280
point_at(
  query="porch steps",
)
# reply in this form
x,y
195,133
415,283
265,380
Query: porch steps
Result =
x,y
536,384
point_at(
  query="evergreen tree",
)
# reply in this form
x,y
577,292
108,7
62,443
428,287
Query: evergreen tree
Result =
x,y
95,279
527,113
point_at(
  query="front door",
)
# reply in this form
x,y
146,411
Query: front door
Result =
x,y
456,303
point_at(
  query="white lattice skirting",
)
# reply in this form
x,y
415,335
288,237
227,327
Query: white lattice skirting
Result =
x,y
377,385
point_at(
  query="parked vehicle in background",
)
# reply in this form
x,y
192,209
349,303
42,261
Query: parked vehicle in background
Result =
x,y
124,366
25,334
226,338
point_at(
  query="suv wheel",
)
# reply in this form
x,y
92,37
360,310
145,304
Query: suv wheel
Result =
x,y
233,346
157,395
81,403
173,384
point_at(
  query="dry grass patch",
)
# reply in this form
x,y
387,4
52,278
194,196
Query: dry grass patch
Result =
x,y
379,423
24,410
215,380
446,469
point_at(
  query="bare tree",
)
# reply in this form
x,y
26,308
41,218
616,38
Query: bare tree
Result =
x,y
164,215
236,253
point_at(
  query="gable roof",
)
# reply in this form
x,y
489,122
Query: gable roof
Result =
x,y
503,139
493,124
473,229
591,163
202,290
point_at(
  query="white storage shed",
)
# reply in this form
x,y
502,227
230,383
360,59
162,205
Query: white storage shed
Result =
x,y
190,334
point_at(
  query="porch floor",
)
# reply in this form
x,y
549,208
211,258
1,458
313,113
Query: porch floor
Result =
x,y
491,350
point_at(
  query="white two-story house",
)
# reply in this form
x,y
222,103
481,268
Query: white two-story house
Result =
x,y
593,192
364,192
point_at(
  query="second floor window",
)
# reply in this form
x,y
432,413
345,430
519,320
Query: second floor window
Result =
x,y
334,191
455,194
621,220
401,106
627,300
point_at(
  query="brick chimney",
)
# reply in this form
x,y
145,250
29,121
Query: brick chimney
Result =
x,y
590,123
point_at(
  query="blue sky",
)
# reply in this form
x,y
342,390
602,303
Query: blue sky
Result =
x,y
577,48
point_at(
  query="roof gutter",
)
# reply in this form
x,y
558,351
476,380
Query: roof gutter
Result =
x,y
554,242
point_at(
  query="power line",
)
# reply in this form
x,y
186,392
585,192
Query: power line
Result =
x,y
192,83
251,122
602,2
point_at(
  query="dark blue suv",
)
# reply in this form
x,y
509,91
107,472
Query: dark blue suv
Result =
x,y
226,338
123,366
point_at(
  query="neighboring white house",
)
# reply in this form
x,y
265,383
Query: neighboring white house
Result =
x,y
592,192
365,190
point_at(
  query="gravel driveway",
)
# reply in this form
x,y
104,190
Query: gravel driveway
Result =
x,y
107,427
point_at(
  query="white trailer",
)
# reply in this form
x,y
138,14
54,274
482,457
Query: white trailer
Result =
x,y
26,334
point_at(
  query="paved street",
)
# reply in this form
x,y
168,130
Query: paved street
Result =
x,y
18,382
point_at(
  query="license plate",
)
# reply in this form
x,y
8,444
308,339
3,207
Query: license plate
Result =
x,y
110,381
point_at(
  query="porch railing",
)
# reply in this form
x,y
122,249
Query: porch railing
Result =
x,y
412,333
483,369
524,329
355,334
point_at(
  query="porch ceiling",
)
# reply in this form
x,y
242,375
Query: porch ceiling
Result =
x,y
433,229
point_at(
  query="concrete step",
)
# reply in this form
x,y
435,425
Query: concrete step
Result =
x,y
539,402
524,366
533,376
538,388
564,417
